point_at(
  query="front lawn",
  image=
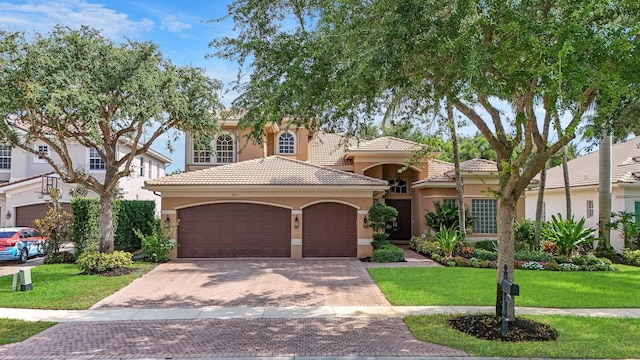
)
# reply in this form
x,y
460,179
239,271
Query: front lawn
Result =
x,y
17,330
470,286
59,286
579,337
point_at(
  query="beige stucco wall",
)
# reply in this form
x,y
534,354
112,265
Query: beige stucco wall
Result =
x,y
296,201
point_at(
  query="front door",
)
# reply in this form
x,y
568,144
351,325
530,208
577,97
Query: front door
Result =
x,y
401,229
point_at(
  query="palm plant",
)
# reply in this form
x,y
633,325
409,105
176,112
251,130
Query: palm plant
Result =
x,y
447,239
566,234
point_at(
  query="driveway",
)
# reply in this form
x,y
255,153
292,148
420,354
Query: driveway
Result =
x,y
253,283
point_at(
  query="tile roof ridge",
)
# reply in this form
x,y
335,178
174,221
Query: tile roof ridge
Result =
x,y
320,167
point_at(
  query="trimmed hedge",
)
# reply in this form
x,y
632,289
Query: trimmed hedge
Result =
x,y
388,253
93,262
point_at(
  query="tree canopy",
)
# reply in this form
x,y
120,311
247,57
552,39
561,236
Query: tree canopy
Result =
x,y
513,69
75,87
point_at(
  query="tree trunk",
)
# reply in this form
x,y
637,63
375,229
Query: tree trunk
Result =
x,y
458,176
604,191
540,206
105,221
567,185
506,249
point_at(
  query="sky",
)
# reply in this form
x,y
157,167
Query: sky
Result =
x,y
181,29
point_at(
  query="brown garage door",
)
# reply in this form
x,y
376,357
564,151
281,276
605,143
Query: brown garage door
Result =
x,y
328,230
234,230
25,215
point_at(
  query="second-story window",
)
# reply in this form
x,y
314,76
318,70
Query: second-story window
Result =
x,y
201,152
141,167
95,161
286,143
5,157
150,170
43,151
224,149
589,208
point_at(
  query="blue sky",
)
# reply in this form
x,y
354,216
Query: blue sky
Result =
x,y
179,28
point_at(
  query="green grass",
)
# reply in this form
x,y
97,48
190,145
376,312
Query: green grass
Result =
x,y
470,286
60,286
579,337
17,330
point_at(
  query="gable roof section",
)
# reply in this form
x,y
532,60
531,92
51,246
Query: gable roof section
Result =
x,y
583,170
10,184
444,172
273,170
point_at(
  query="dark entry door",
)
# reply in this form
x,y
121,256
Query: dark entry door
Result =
x,y
402,228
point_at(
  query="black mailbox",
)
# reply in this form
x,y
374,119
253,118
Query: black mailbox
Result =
x,y
510,288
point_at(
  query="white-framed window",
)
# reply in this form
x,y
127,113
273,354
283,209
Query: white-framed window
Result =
x,y
95,161
224,149
5,157
141,167
150,169
201,152
589,208
286,144
43,150
157,170
485,212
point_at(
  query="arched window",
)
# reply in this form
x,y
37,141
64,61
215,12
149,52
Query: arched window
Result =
x,y
224,149
286,143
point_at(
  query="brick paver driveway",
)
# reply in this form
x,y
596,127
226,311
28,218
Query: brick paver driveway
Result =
x,y
230,283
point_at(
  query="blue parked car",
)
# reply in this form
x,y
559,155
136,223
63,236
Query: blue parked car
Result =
x,y
21,243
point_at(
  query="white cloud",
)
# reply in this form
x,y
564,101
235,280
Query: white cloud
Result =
x,y
41,16
170,24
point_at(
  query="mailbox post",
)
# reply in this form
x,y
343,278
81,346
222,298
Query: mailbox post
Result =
x,y
509,290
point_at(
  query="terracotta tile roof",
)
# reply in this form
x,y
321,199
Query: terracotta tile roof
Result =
x,y
327,149
442,171
37,176
583,171
273,170
385,143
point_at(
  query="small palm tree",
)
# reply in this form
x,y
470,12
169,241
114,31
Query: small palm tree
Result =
x,y
566,234
447,239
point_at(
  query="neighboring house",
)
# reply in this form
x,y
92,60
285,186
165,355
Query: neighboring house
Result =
x,y
303,194
26,178
584,181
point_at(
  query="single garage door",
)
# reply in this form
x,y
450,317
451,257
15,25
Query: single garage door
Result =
x,y
25,215
329,230
234,230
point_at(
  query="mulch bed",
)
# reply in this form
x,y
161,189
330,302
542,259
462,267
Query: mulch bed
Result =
x,y
488,327
118,271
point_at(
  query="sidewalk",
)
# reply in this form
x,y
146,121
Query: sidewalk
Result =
x,y
292,312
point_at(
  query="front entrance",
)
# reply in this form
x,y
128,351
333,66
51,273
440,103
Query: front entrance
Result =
x,y
401,229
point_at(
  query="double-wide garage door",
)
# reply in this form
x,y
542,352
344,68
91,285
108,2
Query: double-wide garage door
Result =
x,y
234,230
26,215
256,230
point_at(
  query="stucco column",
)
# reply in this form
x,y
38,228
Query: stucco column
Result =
x,y
170,217
296,234
365,235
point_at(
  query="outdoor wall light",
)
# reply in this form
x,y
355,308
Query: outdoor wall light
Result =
x,y
296,222
167,222
366,222
8,216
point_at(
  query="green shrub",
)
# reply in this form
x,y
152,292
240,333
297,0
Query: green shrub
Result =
x,y
133,215
62,257
447,239
84,230
387,254
485,255
426,246
524,235
532,265
93,262
569,267
156,246
552,266
446,215
560,259
631,257
586,260
379,244
537,256
379,218
489,245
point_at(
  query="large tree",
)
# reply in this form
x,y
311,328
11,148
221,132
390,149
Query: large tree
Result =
x,y
75,87
505,66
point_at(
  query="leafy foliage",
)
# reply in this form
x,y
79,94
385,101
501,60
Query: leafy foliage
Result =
x,y
89,91
133,215
380,217
387,254
93,262
625,222
566,234
56,223
445,214
524,234
448,238
84,231
157,245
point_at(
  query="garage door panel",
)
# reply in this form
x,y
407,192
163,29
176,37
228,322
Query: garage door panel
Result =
x,y
234,230
329,230
25,215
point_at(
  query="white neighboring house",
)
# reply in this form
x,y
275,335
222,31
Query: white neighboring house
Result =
x,y
25,178
584,180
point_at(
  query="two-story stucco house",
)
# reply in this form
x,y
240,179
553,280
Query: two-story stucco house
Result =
x,y
25,179
303,194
